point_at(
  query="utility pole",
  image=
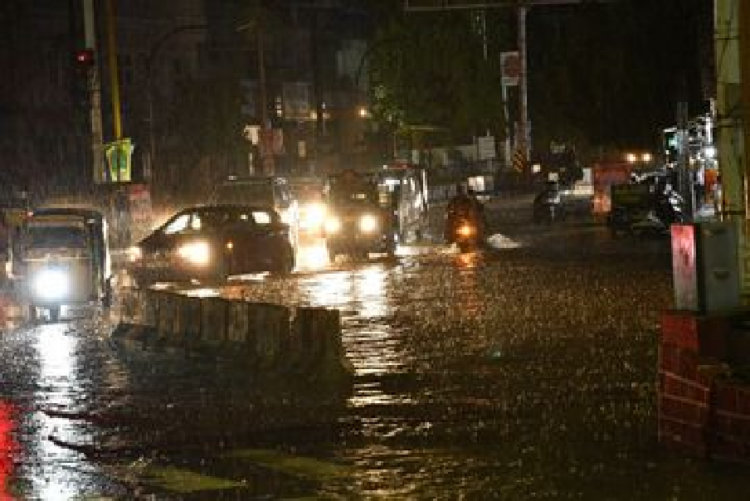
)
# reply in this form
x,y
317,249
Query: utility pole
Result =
x,y
113,69
266,156
95,94
731,35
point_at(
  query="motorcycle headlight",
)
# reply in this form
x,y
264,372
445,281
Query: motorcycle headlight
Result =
x,y
333,225
51,284
198,253
368,223
466,230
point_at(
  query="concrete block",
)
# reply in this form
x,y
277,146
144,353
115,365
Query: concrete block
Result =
x,y
129,302
214,317
166,320
149,305
238,326
268,333
188,320
317,346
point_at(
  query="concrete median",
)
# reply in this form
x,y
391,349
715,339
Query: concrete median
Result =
x,y
263,337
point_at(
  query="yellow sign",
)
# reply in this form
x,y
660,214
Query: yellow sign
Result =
x,y
119,154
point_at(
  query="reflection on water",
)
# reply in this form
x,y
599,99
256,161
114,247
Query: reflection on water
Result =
x,y
55,471
312,256
7,448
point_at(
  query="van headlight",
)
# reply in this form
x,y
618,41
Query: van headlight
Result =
x,y
51,284
198,253
368,223
333,225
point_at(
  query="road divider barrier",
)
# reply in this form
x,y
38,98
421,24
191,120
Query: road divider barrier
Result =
x,y
262,337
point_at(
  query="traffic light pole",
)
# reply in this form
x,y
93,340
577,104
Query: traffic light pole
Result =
x,y
95,95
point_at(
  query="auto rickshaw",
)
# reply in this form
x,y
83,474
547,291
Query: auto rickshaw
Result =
x,y
63,260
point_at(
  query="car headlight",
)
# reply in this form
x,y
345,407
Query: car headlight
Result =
x,y
315,215
368,223
135,253
198,253
333,225
51,284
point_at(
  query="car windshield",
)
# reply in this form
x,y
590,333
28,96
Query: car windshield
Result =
x,y
213,220
353,191
71,237
258,193
307,193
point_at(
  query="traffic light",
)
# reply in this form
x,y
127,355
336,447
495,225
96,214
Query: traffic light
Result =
x,y
84,58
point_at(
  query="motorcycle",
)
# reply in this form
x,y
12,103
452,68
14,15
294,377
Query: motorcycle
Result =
x,y
464,232
548,207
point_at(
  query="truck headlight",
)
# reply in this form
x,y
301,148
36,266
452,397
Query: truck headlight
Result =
x,y
51,284
368,223
198,253
333,225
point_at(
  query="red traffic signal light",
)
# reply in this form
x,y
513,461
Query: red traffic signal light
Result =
x,y
85,57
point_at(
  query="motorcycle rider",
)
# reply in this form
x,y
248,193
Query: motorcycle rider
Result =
x,y
464,205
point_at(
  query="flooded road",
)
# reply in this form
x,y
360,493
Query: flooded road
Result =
x,y
525,371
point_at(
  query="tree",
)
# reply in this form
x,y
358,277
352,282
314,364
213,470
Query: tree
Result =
x,y
428,70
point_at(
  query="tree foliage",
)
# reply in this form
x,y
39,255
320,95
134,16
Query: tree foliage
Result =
x,y
428,71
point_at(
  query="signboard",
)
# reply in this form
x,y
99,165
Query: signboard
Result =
x,y
510,64
486,147
119,154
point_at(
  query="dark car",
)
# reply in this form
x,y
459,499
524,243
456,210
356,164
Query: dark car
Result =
x,y
212,243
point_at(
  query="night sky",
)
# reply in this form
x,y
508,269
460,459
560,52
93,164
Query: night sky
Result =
x,y
613,74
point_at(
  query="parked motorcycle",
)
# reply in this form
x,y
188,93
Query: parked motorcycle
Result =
x,y
638,210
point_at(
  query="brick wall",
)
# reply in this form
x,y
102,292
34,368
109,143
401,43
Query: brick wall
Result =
x,y
704,410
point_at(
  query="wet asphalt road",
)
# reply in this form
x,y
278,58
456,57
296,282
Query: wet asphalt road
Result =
x,y
524,371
